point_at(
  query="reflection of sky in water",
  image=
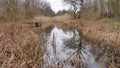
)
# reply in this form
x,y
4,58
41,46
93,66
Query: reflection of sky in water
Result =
x,y
62,53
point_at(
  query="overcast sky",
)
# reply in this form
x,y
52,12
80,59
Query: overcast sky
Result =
x,y
57,5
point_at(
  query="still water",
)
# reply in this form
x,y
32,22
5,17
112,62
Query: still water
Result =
x,y
58,53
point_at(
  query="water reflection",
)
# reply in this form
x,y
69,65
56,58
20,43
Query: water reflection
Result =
x,y
62,51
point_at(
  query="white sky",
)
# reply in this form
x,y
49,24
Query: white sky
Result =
x,y
57,5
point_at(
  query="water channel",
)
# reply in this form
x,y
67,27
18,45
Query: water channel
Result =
x,y
60,54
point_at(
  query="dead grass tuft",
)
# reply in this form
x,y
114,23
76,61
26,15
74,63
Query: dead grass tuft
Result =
x,y
100,31
19,47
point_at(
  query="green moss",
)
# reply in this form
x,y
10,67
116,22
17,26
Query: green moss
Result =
x,y
113,24
116,25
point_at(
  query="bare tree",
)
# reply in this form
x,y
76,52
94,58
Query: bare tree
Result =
x,y
76,4
17,9
96,8
115,7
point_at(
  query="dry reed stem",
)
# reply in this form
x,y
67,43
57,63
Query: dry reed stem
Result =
x,y
19,47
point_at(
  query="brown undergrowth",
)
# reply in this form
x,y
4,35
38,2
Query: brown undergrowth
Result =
x,y
19,47
101,32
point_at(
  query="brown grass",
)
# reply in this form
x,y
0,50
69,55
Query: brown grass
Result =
x,y
100,31
60,21
19,47
61,18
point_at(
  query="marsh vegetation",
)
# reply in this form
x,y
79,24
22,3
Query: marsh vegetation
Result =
x,y
87,35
